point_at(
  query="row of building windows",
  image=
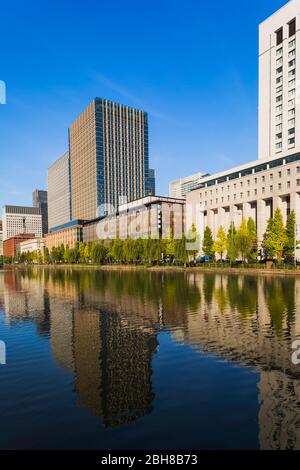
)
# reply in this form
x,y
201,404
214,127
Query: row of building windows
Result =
x,y
248,194
291,92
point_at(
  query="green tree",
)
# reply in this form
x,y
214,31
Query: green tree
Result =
x,y
275,238
170,245
117,250
87,253
253,236
289,247
82,252
46,255
221,242
180,252
243,240
231,245
208,242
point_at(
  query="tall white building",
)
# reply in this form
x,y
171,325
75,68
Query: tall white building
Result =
x,y
180,187
19,219
279,75
59,194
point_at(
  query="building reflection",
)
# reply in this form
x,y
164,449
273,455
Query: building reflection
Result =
x,y
103,328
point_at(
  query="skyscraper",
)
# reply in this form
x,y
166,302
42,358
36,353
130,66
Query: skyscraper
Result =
x,y
151,182
279,70
109,159
59,193
40,200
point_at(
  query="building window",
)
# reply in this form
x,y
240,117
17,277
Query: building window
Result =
x,y
279,118
298,169
292,43
278,99
291,93
279,174
288,184
271,188
288,172
291,54
279,36
292,131
292,73
279,52
279,79
279,146
291,103
292,62
278,127
291,141
292,28
291,122
279,186
279,136
298,182
263,190
279,70
279,108
291,112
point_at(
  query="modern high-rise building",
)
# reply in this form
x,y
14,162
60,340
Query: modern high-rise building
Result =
x,y
180,187
21,220
109,159
151,182
1,238
40,200
59,193
279,72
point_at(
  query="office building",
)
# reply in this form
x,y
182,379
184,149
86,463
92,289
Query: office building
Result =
x,y
68,235
151,183
180,187
31,245
1,238
19,219
254,190
40,200
279,70
59,192
109,159
11,245
148,217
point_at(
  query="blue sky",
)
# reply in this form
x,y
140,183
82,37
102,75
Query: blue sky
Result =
x,y
192,65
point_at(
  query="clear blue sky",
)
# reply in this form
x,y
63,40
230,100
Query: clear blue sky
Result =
x,y
191,64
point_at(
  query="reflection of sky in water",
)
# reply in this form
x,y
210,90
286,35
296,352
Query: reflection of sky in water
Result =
x,y
144,359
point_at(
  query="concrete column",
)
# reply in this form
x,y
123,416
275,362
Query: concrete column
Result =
x,y
246,210
261,221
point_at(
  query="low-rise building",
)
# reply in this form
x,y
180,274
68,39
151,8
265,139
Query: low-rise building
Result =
x,y
11,245
151,216
255,189
182,186
68,235
1,238
34,244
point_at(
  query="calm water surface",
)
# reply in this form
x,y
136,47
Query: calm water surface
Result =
x,y
109,360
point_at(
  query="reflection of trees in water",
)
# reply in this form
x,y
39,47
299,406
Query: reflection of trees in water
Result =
x,y
114,322
280,299
243,293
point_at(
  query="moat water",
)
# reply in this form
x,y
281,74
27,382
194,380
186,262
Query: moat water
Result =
x,y
148,360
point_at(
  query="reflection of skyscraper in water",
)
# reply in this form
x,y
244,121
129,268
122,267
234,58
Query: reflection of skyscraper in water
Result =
x,y
279,415
111,362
